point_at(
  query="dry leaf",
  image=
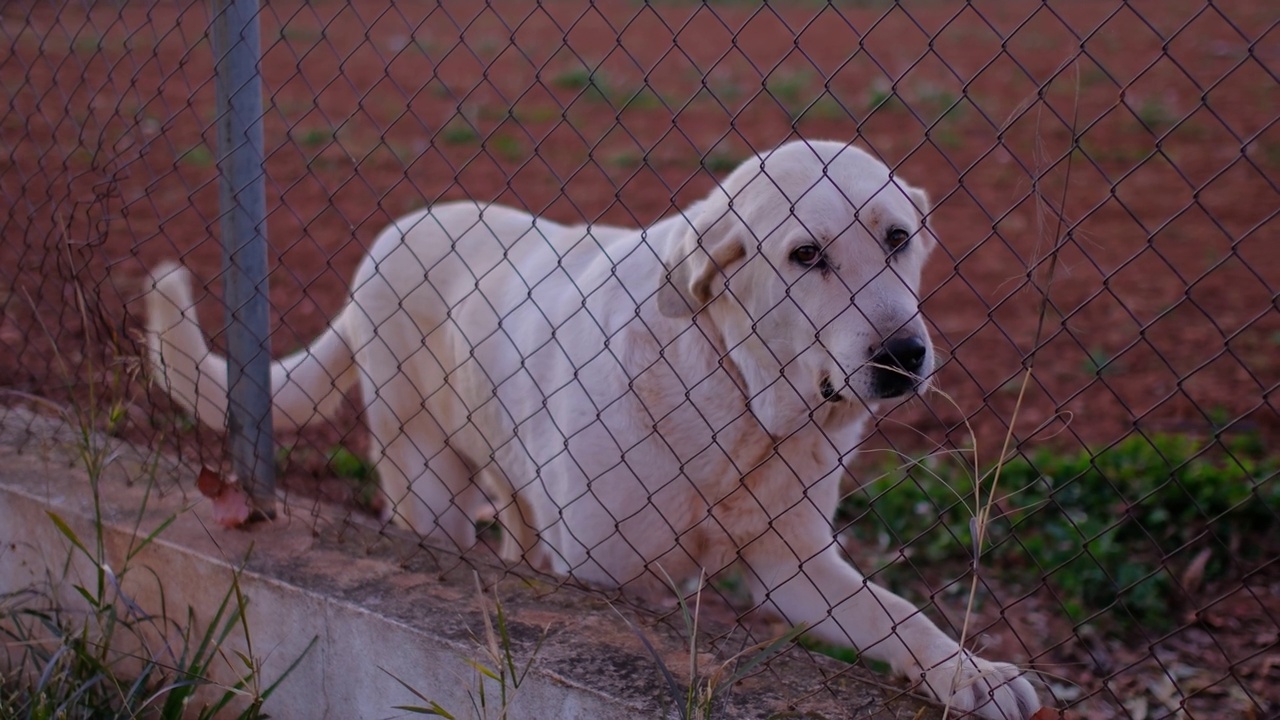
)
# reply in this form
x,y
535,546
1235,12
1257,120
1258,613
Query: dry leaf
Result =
x,y
231,506
1194,574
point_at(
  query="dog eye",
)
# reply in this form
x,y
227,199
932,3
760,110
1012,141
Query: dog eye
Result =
x,y
896,238
806,254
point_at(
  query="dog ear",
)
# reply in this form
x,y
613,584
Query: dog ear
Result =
x,y
702,250
921,200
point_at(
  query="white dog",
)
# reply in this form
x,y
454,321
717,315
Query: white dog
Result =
x,y
634,403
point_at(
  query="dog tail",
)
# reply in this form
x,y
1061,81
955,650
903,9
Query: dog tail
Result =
x,y
305,386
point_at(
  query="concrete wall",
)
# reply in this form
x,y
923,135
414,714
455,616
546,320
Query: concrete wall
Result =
x,y
376,604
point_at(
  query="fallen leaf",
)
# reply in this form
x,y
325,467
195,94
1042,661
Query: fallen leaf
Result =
x,y
210,484
1193,576
1048,713
231,506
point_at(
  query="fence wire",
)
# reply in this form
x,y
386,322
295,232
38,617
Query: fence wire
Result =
x,y
1100,309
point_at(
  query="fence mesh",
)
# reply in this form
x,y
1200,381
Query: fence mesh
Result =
x,y
1102,302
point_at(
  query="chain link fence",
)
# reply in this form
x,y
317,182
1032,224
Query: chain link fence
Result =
x,y
1089,491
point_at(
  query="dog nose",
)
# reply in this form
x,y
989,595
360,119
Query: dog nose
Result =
x,y
904,353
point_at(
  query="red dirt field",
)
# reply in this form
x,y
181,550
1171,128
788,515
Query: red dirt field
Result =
x,y
1105,178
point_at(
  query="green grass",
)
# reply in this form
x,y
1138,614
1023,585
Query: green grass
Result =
x,y
345,464
946,138
497,665
882,99
624,159
358,473
535,113
1109,531
843,654
597,86
703,697
315,137
576,78
726,90
1099,363
824,108
1155,115
105,655
506,147
198,156
721,161
301,35
426,46
87,44
789,88
641,98
459,132
591,86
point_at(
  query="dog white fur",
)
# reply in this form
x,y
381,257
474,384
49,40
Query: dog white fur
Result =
x,y
678,397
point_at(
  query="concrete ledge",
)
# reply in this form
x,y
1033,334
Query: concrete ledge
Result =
x,y
373,602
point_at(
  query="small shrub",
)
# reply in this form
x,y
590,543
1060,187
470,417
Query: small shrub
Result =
x,y
506,147
1105,529
882,98
1155,115
198,155
459,132
573,79
788,88
315,137
624,159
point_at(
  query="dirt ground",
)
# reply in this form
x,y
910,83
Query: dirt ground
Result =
x,y
1105,178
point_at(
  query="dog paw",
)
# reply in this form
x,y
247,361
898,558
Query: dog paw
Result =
x,y
969,684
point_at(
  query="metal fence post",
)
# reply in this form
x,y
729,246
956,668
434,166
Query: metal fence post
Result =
x,y
244,247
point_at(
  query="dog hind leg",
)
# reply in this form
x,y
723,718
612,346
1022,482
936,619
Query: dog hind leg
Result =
x,y
427,486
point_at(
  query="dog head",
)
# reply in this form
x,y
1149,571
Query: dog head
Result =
x,y
808,261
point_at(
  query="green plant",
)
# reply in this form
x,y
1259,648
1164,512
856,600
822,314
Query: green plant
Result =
x,y
596,86
1220,417
1104,528
706,694
300,34
109,657
788,88
439,89
577,78
1155,115
1099,363
360,475
345,464
497,665
1092,76
535,113
423,44
825,107
315,137
506,147
882,98
946,138
721,161
624,159
725,89
459,132
641,98
198,155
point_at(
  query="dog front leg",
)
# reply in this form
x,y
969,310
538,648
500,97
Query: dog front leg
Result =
x,y
810,583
